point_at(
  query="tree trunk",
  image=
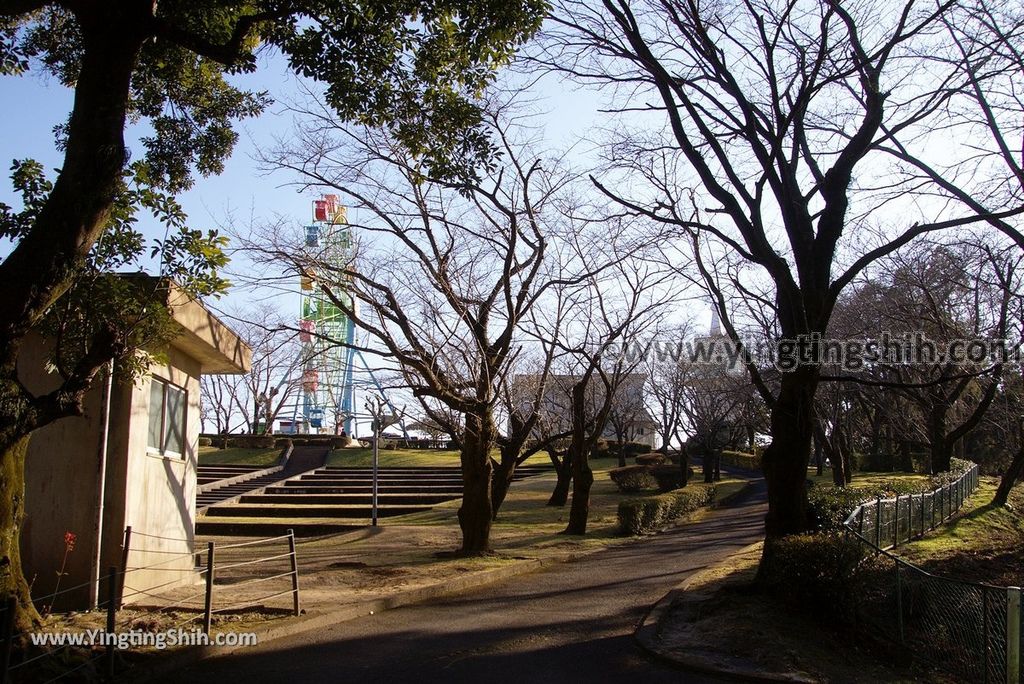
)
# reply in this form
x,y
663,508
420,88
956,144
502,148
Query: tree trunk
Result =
x,y
684,465
582,479
501,480
44,263
1010,477
563,473
708,467
940,449
12,512
785,460
475,512
819,457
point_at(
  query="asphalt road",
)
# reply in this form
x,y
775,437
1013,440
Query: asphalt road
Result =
x,y
572,622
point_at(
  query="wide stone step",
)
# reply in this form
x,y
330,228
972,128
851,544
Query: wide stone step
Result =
x,y
386,499
296,487
381,473
426,486
284,511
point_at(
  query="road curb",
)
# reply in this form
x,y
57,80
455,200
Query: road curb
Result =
x,y
317,620
648,636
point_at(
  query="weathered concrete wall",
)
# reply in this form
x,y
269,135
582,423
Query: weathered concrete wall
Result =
x,y
160,505
152,492
62,475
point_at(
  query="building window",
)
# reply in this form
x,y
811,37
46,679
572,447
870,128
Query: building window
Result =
x,y
166,418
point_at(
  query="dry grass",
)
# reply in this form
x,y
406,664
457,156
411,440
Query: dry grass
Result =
x,y
210,455
983,544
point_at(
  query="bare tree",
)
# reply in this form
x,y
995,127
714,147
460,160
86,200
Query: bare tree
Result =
x,y
770,112
612,314
253,401
442,273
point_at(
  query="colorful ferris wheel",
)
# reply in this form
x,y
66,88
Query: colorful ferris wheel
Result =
x,y
326,333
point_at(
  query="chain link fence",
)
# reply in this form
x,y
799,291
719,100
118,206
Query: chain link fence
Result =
x,y
970,629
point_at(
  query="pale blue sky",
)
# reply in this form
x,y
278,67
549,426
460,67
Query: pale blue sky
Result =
x,y
34,104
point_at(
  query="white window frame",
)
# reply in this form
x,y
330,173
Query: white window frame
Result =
x,y
162,449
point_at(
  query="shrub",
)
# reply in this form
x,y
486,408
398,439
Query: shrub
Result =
x,y
649,513
818,573
283,443
634,478
205,441
829,507
957,467
636,448
739,459
650,459
668,476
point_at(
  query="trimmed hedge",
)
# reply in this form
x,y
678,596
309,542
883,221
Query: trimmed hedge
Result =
x,y
646,514
251,441
632,478
829,506
819,573
739,459
669,476
650,459
205,441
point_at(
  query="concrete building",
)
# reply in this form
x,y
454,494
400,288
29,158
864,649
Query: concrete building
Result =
x,y
149,469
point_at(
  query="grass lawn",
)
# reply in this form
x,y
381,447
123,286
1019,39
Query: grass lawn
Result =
x,y
210,455
983,544
397,458
525,521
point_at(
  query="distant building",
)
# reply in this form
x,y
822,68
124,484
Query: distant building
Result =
x,y
150,464
629,408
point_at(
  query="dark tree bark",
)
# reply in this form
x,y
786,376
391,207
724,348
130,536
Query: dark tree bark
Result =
x,y
563,474
1010,477
44,263
785,460
475,512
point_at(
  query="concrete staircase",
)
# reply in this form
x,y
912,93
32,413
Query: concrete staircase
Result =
x,y
335,499
301,460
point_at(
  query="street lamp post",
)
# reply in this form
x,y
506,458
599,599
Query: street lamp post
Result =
x,y
376,455
375,406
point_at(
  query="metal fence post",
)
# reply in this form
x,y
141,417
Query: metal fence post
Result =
x,y
896,524
860,520
111,619
208,606
878,523
295,572
125,548
1012,635
922,515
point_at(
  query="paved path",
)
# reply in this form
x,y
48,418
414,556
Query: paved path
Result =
x,y
569,623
